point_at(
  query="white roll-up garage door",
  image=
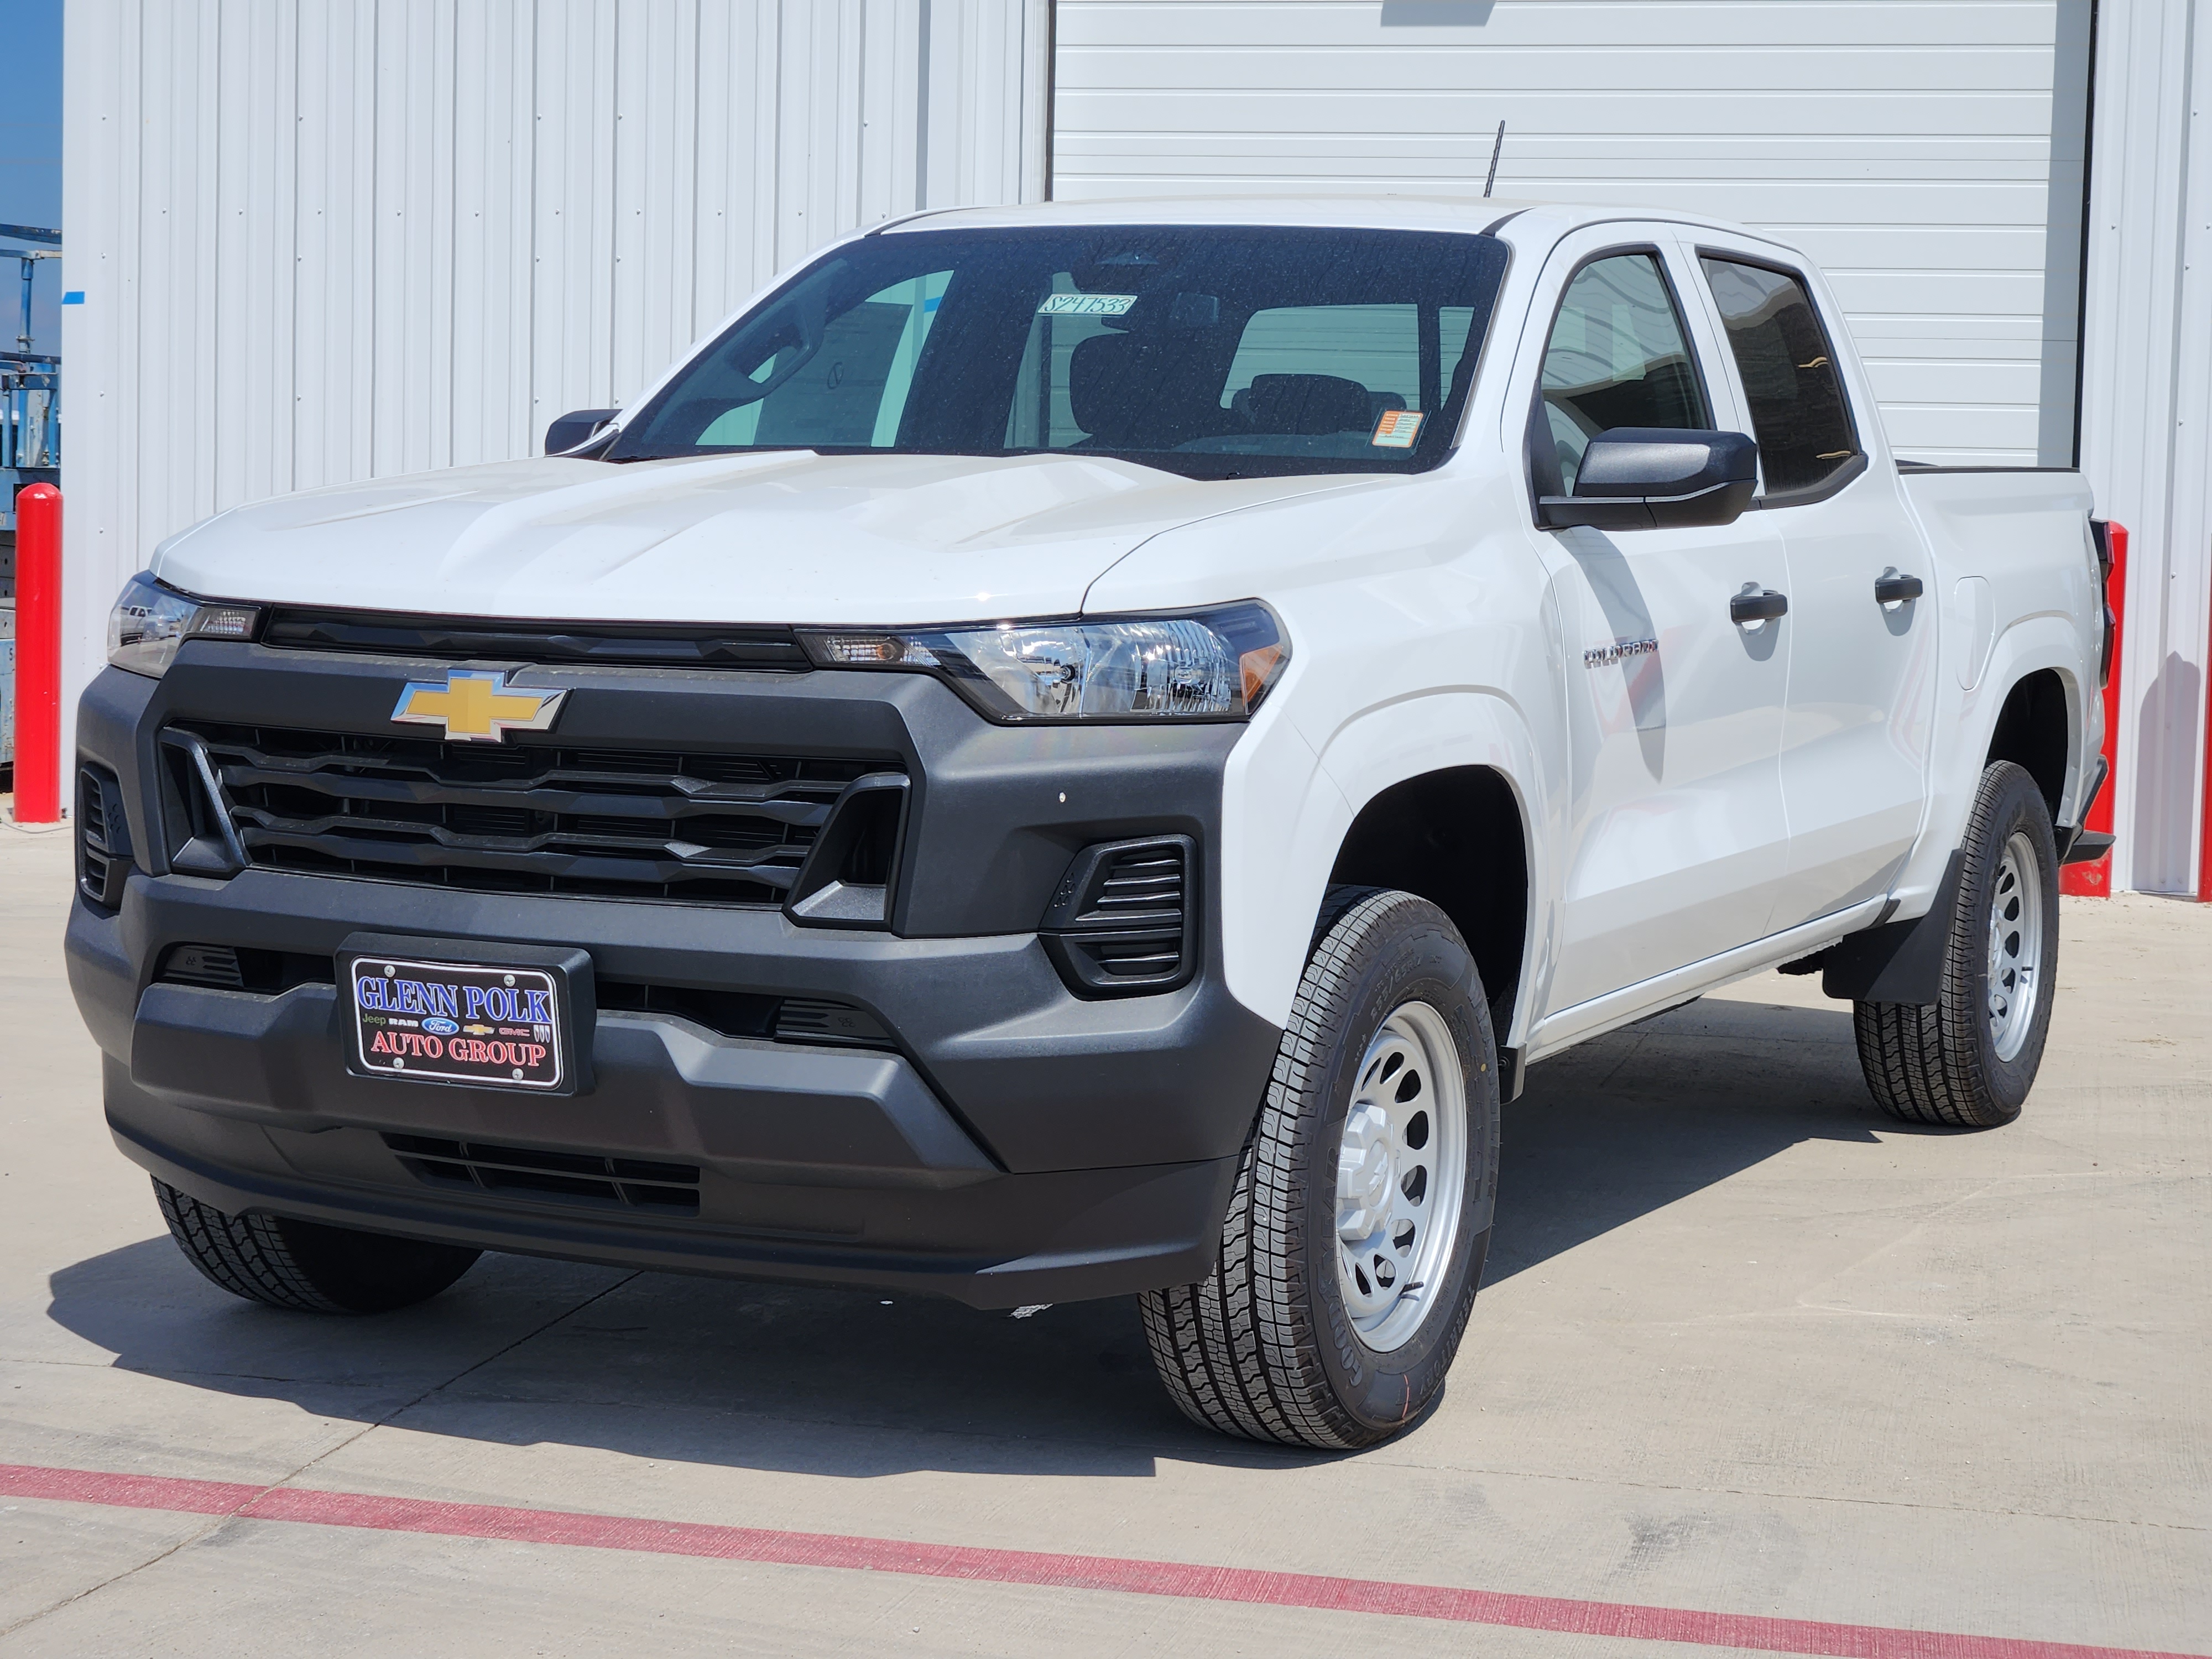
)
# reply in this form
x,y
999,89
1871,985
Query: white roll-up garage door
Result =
x,y
1928,155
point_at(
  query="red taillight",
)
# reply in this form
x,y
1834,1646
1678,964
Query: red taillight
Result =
x,y
2094,879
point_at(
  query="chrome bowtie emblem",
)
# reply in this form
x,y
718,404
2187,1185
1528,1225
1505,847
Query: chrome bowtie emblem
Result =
x,y
475,706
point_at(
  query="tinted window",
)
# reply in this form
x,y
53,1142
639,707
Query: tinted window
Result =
x,y
1619,355
1797,409
1212,351
856,397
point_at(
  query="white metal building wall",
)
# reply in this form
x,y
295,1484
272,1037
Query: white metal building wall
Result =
x,y
2147,417
1928,155
322,240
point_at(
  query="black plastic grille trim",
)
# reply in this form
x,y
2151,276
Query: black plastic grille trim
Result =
x,y
527,817
597,1180
763,1016
759,1015
647,645
240,968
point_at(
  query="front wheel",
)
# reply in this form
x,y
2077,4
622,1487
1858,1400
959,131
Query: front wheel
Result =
x,y
1967,1060
306,1265
1356,1234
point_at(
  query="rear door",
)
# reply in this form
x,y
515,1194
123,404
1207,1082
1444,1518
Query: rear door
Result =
x,y
1855,735
1677,844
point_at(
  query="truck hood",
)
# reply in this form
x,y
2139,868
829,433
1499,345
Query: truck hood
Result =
x,y
778,537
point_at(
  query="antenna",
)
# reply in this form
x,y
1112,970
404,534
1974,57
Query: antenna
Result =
x,y
1494,150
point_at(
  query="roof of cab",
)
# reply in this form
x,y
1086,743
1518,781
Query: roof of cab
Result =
x,y
1378,212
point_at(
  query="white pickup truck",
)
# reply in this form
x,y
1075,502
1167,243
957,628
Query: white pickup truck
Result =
x,y
1081,750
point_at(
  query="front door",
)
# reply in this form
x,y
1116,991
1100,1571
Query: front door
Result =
x,y
1855,739
1677,846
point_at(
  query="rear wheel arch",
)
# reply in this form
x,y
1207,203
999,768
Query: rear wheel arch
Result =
x,y
1457,837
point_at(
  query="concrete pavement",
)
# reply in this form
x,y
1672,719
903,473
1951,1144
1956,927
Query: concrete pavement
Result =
x,y
1745,1345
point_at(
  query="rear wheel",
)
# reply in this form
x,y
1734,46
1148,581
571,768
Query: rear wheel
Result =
x,y
1968,1060
1357,1230
306,1265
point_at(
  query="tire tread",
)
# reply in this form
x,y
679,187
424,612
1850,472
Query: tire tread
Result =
x,y
1237,1351
245,1254
1924,1063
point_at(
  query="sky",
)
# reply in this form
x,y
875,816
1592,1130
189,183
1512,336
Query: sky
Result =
x,y
31,159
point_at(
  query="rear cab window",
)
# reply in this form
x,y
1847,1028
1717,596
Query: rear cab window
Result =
x,y
1809,444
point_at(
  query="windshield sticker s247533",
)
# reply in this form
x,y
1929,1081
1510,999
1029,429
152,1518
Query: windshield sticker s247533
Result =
x,y
1085,305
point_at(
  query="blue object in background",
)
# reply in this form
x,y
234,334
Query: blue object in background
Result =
x,y
31,154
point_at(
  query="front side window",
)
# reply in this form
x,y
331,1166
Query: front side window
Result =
x,y
1619,355
1215,352
1798,413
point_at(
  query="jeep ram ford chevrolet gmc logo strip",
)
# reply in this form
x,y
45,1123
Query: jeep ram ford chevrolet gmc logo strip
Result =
x,y
475,706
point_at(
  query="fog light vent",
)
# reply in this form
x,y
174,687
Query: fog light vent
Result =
x,y
1123,921
103,836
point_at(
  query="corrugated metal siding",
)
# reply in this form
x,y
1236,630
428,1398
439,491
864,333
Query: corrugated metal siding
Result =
x,y
2147,413
1908,147
321,242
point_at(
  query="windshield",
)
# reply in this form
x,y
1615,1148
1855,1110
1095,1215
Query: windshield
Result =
x,y
1209,351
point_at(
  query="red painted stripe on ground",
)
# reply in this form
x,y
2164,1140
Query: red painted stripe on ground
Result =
x,y
1170,1578
130,1491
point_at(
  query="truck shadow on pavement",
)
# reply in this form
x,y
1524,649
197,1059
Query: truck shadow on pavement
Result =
x,y
525,1351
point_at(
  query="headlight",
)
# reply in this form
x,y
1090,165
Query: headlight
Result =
x,y
1214,664
149,622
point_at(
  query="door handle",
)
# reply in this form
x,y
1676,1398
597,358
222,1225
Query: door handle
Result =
x,y
1890,588
1756,605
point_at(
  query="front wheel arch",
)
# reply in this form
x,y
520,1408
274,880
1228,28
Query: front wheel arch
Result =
x,y
1456,838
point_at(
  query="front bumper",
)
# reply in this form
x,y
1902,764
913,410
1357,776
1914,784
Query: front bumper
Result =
x,y
1011,1143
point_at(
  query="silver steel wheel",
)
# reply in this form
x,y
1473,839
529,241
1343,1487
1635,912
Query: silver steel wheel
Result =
x,y
2016,924
1399,1170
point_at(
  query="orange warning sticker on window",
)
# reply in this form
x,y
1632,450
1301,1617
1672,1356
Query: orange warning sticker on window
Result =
x,y
1397,428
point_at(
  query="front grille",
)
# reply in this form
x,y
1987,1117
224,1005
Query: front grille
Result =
x,y
648,645
595,1179
525,818
1122,921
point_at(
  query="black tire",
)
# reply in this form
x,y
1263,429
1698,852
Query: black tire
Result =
x,y
1940,1063
1264,1348
306,1265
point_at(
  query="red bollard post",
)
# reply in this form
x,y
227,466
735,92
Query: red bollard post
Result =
x,y
2204,819
2094,879
39,654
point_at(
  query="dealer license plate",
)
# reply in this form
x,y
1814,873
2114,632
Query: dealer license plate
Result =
x,y
458,1021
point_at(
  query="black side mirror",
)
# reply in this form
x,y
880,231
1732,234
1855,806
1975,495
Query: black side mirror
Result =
x,y
577,426
1644,478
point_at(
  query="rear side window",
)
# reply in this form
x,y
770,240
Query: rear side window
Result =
x,y
1619,355
1798,413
